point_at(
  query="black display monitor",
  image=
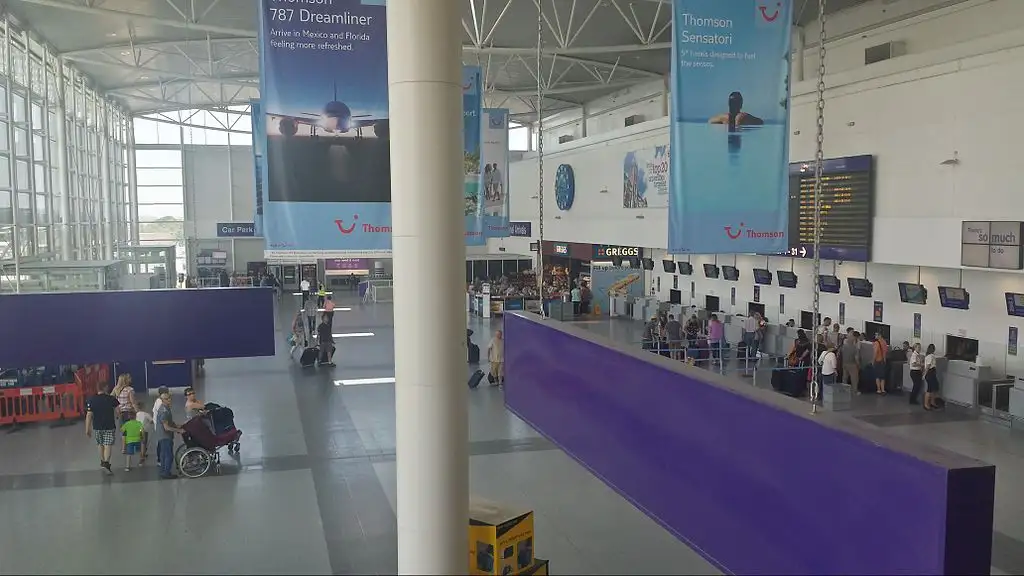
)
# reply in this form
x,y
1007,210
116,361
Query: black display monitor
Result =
x,y
711,303
911,293
685,268
872,328
1014,304
762,276
710,271
675,296
953,297
787,279
668,266
730,273
648,264
860,287
755,307
828,283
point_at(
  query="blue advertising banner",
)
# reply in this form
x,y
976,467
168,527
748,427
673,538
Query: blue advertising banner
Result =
x,y
259,139
472,100
236,229
324,95
494,154
730,127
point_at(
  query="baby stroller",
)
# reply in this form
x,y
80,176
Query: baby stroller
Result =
x,y
204,435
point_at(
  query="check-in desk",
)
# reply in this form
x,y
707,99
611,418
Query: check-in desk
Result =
x,y
1016,401
960,380
645,308
618,306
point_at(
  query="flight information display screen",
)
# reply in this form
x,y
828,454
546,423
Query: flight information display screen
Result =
x,y
847,207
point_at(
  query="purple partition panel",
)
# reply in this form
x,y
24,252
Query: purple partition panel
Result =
x,y
746,476
137,325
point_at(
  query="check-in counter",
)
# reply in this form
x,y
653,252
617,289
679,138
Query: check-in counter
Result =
x,y
1016,400
959,381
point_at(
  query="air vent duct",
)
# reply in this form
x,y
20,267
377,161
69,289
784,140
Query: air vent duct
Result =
x,y
633,120
564,139
884,52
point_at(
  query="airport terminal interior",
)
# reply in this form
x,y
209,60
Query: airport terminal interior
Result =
x,y
129,168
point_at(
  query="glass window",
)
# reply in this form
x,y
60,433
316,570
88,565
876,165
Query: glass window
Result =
x,y
161,212
26,241
43,238
165,231
37,116
5,143
38,147
21,174
20,114
519,139
158,176
39,182
237,139
158,158
161,195
168,133
20,142
6,210
25,208
3,89
42,209
217,138
146,131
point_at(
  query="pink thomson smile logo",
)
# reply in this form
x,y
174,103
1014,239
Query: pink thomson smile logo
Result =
x,y
735,232
366,228
770,17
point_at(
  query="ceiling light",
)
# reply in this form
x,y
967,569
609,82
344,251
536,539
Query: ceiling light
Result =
x,y
112,34
125,53
143,77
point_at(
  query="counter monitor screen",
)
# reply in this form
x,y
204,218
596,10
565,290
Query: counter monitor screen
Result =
x,y
847,206
828,284
730,273
648,264
710,271
913,293
860,287
762,276
1014,304
685,268
952,297
787,279
669,266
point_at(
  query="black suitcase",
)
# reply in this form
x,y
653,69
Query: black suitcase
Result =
x,y
475,379
309,356
474,353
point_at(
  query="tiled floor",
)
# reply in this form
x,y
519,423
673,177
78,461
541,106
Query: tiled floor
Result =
x,y
313,489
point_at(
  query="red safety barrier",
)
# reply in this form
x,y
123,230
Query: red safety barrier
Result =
x,y
41,404
89,377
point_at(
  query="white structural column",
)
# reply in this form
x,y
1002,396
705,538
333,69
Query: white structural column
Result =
x,y
107,227
425,97
63,165
133,188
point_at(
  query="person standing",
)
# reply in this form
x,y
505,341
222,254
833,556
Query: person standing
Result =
x,y
931,378
751,328
101,423
310,311
132,431
329,310
146,419
674,331
496,358
326,341
850,354
916,361
127,407
577,298
165,431
716,335
881,348
829,365
321,295
585,297
304,288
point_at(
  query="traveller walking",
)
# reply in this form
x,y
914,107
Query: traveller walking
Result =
x,y
101,422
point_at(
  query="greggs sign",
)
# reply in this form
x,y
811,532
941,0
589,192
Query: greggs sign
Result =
x,y
602,251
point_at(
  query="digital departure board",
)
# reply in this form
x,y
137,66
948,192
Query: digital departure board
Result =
x,y
847,208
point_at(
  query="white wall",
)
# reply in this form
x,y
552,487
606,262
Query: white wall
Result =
x,y
220,187
912,113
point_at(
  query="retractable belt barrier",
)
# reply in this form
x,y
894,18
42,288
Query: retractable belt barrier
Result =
x,y
41,404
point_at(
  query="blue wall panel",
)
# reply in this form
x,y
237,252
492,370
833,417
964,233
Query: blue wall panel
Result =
x,y
746,476
142,325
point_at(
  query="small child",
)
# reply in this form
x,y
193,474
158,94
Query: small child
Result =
x,y
132,431
147,425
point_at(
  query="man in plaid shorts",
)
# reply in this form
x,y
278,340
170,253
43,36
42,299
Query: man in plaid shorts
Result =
x,y
101,423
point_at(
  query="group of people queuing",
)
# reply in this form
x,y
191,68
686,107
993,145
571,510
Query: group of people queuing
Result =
x,y
696,341
120,413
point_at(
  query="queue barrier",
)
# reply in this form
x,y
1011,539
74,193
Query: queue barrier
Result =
x,y
57,402
89,377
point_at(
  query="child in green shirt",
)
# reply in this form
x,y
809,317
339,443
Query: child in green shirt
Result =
x,y
132,432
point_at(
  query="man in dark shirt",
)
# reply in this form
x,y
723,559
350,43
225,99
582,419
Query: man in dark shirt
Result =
x,y
100,423
674,329
326,341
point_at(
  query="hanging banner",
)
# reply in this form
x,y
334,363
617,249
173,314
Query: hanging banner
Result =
x,y
494,153
472,98
259,138
730,127
645,178
324,94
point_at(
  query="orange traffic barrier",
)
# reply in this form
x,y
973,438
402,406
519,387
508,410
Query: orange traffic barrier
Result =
x,y
89,377
41,404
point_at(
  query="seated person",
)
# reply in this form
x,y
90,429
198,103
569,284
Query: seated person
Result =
x,y
193,407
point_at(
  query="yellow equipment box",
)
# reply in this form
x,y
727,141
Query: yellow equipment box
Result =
x,y
539,568
500,540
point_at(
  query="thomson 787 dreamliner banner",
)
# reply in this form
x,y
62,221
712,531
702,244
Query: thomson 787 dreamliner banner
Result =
x,y
472,99
324,94
729,126
494,155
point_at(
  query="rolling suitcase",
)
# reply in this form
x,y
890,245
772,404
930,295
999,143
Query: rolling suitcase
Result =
x,y
309,356
474,353
475,379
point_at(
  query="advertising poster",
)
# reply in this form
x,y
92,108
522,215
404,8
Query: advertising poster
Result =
x,y
494,153
917,325
1011,341
324,97
645,178
259,138
729,128
472,99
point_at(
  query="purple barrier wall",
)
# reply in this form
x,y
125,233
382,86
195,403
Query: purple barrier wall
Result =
x,y
745,476
138,325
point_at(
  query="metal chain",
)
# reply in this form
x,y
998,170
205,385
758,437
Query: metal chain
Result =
x,y
540,156
819,159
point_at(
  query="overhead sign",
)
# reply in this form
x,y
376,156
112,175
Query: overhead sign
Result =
x,y
520,229
495,156
603,251
991,245
472,185
236,229
561,249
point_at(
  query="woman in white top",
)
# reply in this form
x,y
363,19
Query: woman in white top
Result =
x,y
916,361
829,365
496,357
931,378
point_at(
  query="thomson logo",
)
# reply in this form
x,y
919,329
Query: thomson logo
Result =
x,y
737,232
366,228
772,15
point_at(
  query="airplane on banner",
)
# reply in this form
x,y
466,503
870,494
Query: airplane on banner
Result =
x,y
335,119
